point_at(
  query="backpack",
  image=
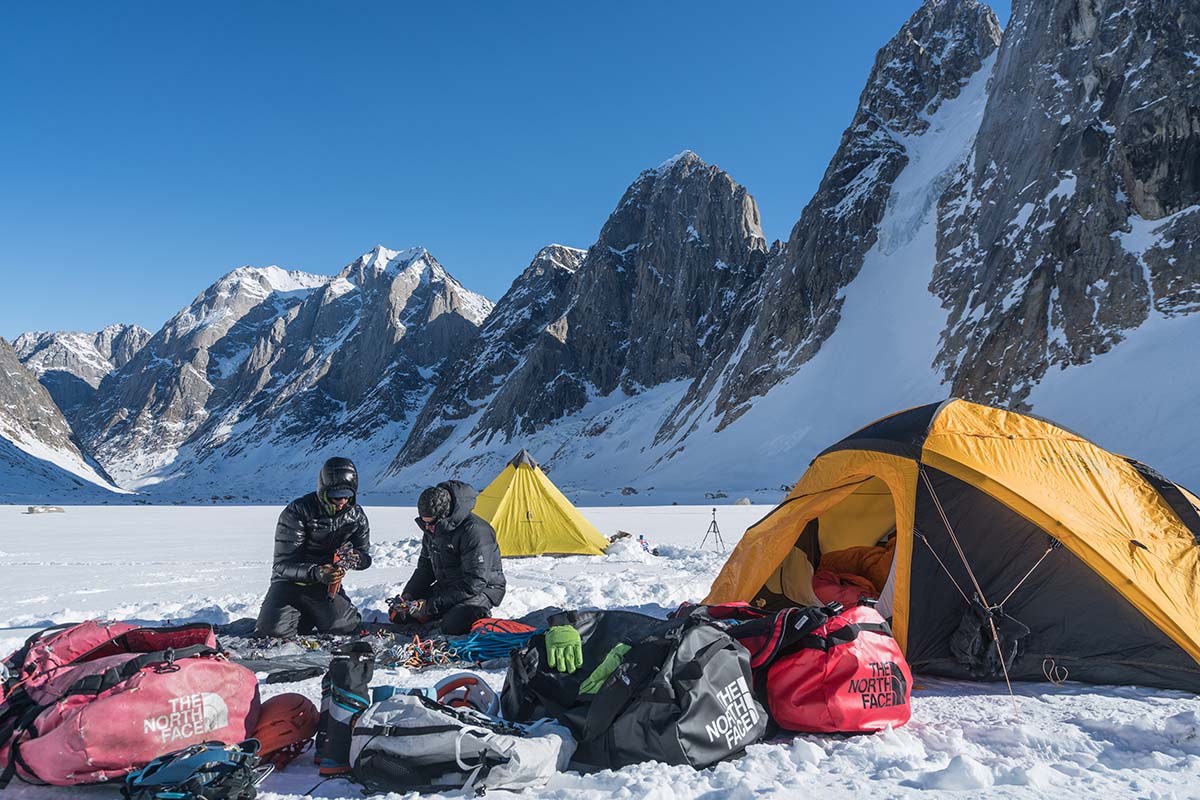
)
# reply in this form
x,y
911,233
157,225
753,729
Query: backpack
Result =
x,y
682,694
208,771
411,742
822,669
91,702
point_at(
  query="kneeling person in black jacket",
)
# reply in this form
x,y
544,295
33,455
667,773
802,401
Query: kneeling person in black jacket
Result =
x,y
459,576
306,593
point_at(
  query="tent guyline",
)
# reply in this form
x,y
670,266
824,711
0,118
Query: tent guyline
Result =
x,y
988,608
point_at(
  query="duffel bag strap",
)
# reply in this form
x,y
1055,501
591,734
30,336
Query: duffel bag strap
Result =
x,y
165,659
16,662
783,631
639,665
843,635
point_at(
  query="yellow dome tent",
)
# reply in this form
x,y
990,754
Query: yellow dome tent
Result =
x,y
532,517
1087,562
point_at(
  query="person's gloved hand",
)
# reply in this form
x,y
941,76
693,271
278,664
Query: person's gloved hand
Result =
x,y
564,649
419,610
397,610
330,573
604,669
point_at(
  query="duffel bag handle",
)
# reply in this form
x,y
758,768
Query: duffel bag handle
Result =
x,y
615,695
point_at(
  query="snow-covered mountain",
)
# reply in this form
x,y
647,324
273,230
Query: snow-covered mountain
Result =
x,y
951,248
466,403
71,364
269,371
646,307
1011,216
40,461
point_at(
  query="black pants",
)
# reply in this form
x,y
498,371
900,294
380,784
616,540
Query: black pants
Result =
x,y
459,618
290,609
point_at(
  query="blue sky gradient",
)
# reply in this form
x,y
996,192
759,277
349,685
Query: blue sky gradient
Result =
x,y
149,148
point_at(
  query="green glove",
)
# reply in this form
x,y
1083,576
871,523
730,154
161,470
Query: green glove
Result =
x,y
607,667
564,648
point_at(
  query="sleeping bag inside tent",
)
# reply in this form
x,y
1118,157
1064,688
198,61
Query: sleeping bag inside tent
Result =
x,y
532,517
1020,548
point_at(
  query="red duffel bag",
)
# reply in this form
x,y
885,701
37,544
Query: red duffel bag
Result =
x,y
91,702
822,669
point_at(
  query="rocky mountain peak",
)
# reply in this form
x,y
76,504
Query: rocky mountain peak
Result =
x,y
72,364
469,398
1077,217
556,257
647,305
943,47
927,62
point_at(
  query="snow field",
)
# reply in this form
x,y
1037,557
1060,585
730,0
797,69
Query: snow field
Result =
x,y
965,740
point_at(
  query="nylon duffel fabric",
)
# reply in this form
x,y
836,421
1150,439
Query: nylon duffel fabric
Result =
x,y
847,675
411,742
91,703
821,669
682,695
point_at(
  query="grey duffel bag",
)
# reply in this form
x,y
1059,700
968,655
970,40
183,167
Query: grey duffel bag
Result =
x,y
410,742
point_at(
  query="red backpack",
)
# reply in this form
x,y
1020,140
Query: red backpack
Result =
x,y
822,669
91,702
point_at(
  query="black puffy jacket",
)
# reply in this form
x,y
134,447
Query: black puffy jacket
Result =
x,y
460,560
308,535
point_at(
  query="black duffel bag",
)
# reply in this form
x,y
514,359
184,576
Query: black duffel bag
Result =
x,y
682,695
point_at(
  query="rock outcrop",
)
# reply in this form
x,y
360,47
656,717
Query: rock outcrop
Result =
x,y
71,364
1078,216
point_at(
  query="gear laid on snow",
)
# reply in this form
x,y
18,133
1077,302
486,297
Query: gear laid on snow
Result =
x,y
607,667
95,700
411,742
208,771
286,726
564,649
682,693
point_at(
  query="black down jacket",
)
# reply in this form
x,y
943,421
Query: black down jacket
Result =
x,y
460,560
308,535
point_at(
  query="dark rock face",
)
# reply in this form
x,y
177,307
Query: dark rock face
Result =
x,y
1077,217
927,63
651,301
71,365
470,383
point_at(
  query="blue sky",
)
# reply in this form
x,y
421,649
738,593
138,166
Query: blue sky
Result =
x,y
149,148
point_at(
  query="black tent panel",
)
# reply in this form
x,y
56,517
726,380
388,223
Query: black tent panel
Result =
x,y
1077,621
1172,496
901,434
523,459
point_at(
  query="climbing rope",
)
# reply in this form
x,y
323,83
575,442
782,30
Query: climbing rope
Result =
x,y
486,645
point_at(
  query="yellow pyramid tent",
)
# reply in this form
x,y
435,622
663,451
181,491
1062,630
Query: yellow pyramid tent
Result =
x,y
531,516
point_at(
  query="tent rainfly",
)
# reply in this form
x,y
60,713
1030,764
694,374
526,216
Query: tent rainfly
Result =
x,y
1083,563
532,517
